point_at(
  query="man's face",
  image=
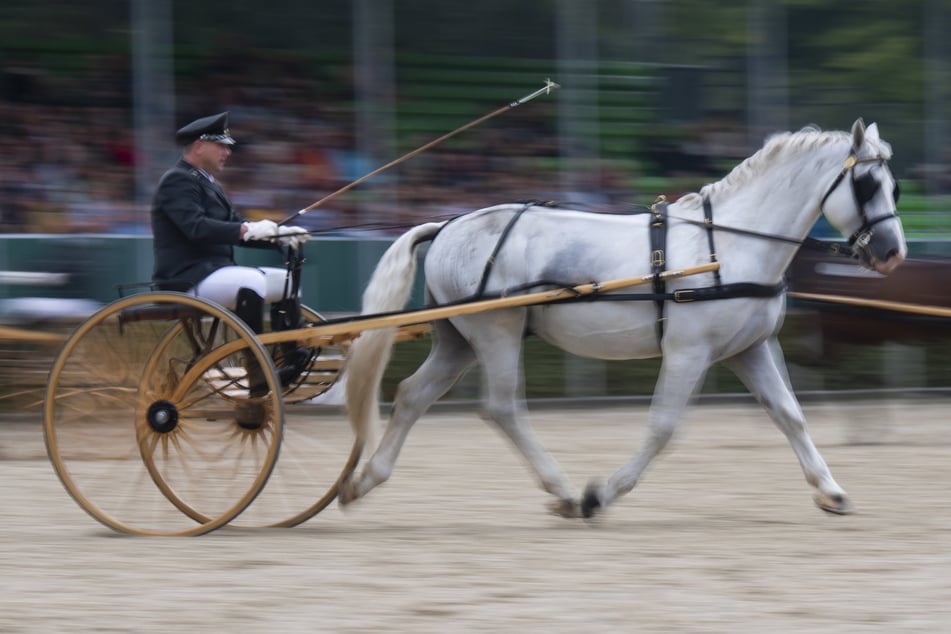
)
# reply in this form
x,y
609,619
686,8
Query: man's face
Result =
x,y
211,156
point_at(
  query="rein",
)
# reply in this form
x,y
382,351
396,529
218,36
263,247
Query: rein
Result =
x,y
860,238
812,243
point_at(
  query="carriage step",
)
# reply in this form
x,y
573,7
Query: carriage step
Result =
x,y
319,378
327,365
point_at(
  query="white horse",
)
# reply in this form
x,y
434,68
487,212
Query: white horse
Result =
x,y
762,211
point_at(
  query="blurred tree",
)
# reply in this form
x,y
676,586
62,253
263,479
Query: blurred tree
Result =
x,y
859,46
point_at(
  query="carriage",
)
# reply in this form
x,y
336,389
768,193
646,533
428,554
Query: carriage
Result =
x,y
150,423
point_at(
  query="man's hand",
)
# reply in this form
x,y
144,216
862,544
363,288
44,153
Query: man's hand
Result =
x,y
292,237
259,230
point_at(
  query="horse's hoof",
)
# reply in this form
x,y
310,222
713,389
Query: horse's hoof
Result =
x,y
836,503
347,492
564,508
591,501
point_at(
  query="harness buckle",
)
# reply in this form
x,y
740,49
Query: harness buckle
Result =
x,y
679,296
657,258
863,239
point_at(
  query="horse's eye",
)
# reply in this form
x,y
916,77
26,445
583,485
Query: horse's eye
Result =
x,y
865,187
896,193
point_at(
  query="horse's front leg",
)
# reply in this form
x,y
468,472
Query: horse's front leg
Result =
x,y
678,380
512,419
762,370
503,405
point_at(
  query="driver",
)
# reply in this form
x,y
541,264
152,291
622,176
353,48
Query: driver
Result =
x,y
195,229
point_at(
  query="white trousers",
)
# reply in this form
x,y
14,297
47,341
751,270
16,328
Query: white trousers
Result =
x,y
223,285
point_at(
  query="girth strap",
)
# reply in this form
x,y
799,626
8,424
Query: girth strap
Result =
x,y
708,223
658,237
658,241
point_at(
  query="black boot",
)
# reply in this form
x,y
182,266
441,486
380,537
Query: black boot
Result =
x,y
250,309
293,359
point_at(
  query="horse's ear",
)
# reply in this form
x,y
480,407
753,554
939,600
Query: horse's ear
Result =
x,y
858,134
871,132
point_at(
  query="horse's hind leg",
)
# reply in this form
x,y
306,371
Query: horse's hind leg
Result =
x,y
447,360
761,368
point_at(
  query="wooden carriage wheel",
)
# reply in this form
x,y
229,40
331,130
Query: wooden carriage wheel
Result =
x,y
148,420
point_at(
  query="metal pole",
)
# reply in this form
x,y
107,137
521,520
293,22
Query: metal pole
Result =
x,y
375,95
578,134
937,73
375,81
153,104
767,83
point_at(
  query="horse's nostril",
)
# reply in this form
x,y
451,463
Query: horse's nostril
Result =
x,y
896,255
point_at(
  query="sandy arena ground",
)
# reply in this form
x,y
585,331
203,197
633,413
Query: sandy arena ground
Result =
x,y
721,536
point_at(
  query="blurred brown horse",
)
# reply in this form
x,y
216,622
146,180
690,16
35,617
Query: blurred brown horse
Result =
x,y
854,305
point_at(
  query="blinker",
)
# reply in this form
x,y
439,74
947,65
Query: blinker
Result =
x,y
866,185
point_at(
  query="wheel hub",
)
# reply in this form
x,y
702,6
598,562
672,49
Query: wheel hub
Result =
x,y
162,416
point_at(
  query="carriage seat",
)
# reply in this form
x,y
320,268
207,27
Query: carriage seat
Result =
x,y
158,312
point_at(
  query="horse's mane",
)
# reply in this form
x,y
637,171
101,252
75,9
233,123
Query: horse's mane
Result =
x,y
778,146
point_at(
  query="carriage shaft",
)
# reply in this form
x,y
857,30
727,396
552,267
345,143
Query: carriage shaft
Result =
x,y
335,332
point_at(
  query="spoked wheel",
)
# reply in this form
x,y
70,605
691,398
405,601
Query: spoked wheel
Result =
x,y
319,448
27,356
163,415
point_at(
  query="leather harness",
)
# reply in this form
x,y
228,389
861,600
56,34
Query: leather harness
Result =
x,y
658,261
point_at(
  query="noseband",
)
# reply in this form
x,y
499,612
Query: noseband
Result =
x,y
863,189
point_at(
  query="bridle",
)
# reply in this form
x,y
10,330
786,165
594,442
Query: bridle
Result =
x,y
863,190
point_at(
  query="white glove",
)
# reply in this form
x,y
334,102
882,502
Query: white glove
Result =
x,y
292,237
259,230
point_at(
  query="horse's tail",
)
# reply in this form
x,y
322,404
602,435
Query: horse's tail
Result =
x,y
389,290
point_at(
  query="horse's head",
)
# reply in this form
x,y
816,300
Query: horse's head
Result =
x,y
862,202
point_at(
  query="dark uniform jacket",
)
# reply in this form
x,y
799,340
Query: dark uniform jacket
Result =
x,y
194,228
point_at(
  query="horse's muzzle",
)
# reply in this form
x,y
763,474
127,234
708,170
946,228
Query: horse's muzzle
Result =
x,y
890,263
881,248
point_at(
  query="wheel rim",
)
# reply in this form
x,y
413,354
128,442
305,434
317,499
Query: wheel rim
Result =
x,y
141,420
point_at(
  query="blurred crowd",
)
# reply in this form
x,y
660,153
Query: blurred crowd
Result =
x,y
65,170
68,155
